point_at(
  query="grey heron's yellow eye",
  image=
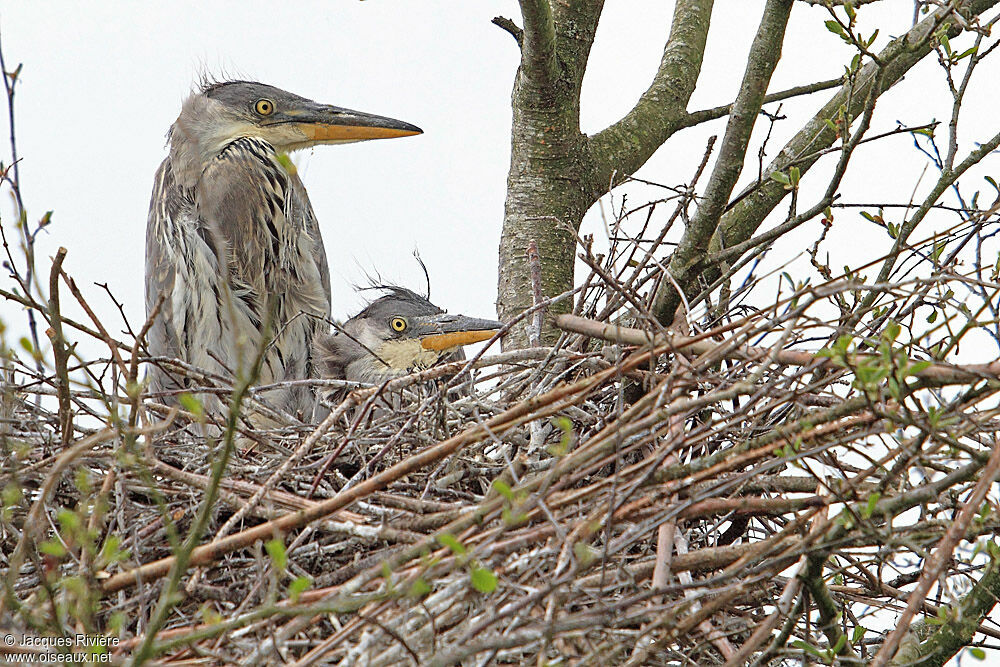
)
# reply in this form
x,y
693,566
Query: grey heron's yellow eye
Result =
x,y
398,324
264,107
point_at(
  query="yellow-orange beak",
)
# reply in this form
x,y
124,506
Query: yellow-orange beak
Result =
x,y
324,132
447,341
324,123
444,332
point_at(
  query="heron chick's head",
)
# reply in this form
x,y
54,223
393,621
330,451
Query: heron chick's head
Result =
x,y
221,113
396,334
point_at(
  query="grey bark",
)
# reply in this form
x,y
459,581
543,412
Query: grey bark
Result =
x,y
557,172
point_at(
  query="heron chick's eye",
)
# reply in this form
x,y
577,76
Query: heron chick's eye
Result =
x,y
264,107
398,324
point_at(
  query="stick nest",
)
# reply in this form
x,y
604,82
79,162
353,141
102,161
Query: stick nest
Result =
x,y
626,495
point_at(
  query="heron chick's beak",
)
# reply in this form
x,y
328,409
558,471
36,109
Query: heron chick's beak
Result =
x,y
445,332
323,123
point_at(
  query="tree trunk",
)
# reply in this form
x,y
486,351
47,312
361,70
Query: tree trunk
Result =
x,y
557,172
546,199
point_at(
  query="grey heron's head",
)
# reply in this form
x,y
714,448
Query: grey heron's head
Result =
x,y
396,334
220,113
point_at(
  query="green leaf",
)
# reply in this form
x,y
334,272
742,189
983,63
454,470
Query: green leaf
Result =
x,y
209,615
286,162
52,548
512,518
298,586
808,648
483,580
780,177
977,653
894,391
564,424
11,495
835,28
448,540
965,54
892,330
419,588
110,553
81,480
192,405
584,553
869,507
276,550
69,521
503,489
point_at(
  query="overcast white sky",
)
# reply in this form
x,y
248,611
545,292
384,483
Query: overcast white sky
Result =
x,y
102,82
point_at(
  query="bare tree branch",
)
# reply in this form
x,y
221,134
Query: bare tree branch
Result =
x,y
509,26
803,150
625,146
698,117
576,25
764,55
538,43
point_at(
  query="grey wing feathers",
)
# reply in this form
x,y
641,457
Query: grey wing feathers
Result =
x,y
329,357
312,229
262,213
162,338
237,252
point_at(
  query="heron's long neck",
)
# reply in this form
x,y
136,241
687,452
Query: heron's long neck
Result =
x,y
198,136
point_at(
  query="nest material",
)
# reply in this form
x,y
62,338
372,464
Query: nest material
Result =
x,y
596,502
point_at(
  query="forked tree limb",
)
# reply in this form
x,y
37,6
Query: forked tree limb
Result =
x,y
803,150
620,149
762,60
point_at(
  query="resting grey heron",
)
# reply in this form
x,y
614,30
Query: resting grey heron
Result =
x,y
396,334
233,248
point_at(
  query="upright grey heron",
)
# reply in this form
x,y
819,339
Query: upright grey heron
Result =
x,y
396,334
232,244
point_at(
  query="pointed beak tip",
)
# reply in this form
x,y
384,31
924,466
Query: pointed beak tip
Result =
x,y
453,339
356,127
